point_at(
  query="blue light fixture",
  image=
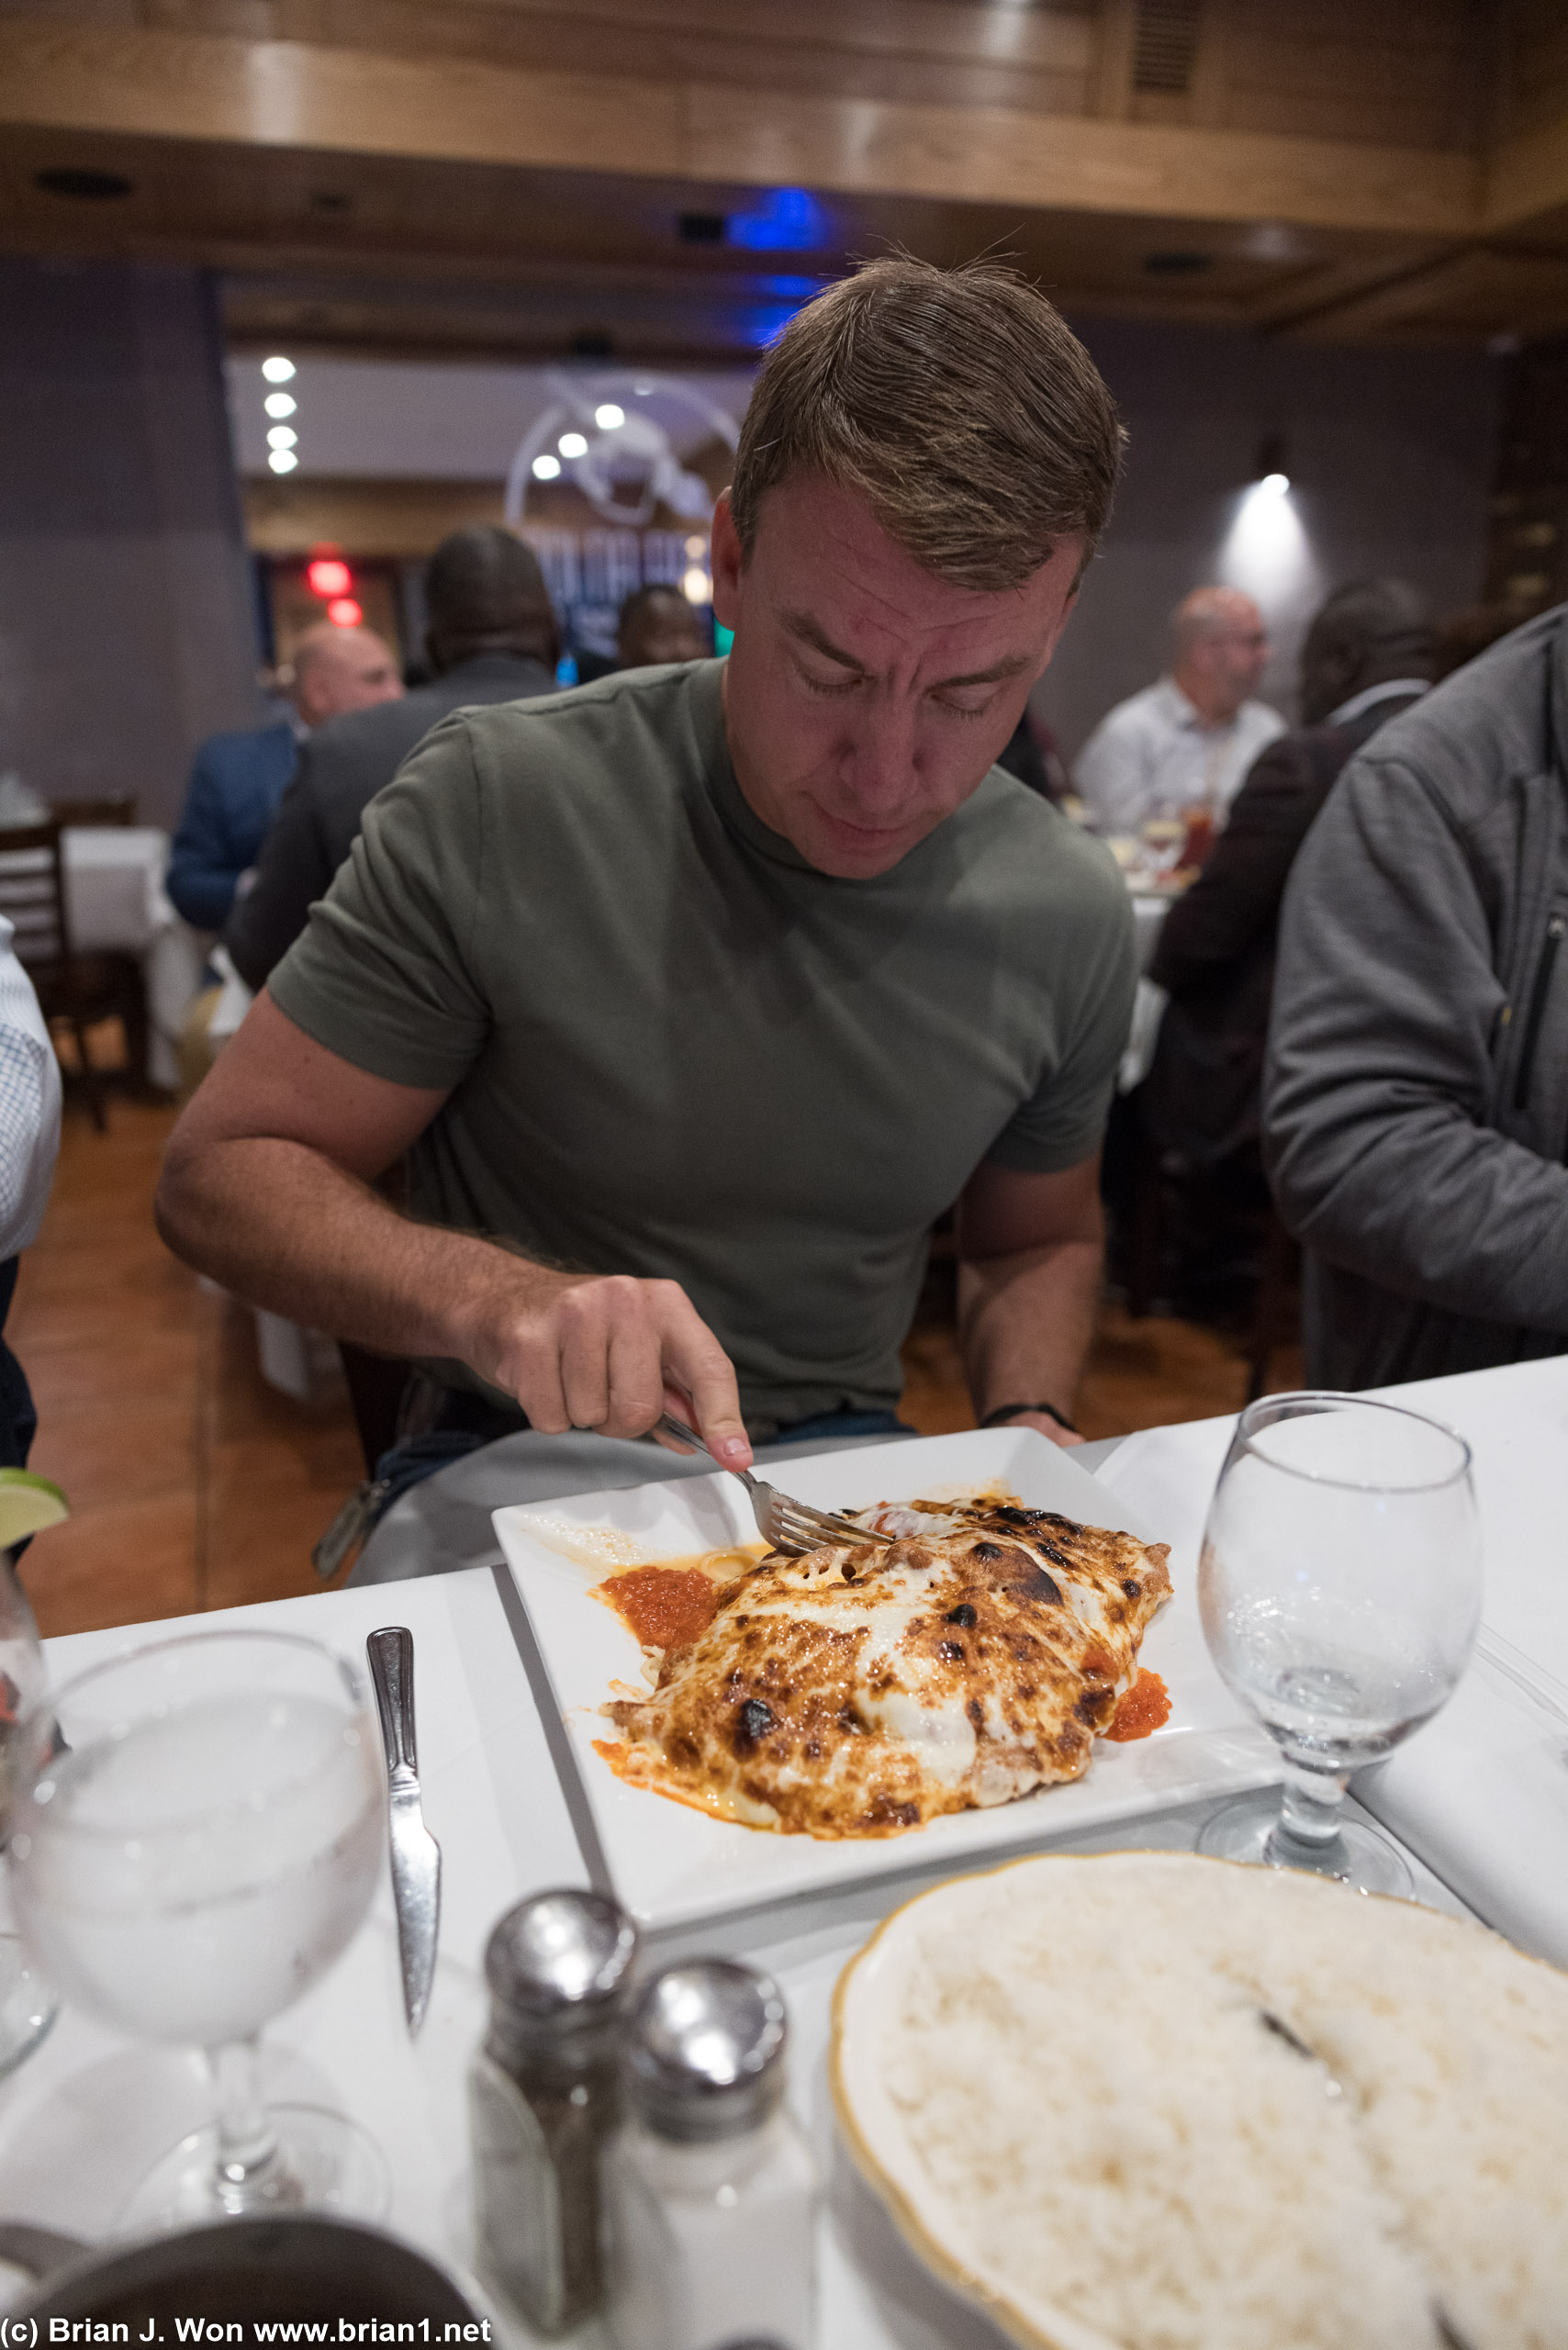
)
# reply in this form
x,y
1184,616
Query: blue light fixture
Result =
x,y
784,220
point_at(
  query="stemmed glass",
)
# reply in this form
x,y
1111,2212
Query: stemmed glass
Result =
x,y
1340,1591
27,2007
195,1837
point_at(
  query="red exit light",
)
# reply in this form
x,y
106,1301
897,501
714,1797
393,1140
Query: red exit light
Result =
x,y
343,612
328,576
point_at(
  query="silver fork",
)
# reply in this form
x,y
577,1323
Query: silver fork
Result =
x,y
790,1526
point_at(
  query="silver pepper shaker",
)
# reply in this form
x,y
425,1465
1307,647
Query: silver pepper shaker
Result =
x,y
710,2192
543,2095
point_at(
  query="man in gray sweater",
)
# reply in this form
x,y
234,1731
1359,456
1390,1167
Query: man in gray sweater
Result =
x,y
1417,1088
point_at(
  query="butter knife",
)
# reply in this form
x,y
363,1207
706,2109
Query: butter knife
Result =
x,y
415,1855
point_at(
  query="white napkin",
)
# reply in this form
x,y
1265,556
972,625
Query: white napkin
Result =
x,y
1170,1474
1482,1795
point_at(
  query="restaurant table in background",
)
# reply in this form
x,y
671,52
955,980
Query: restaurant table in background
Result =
x,y
1149,910
117,903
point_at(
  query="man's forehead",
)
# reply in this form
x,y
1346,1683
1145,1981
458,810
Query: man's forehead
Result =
x,y
838,576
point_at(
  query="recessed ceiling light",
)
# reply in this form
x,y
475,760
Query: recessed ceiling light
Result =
x,y
282,436
84,186
280,404
278,370
572,444
281,461
547,468
609,415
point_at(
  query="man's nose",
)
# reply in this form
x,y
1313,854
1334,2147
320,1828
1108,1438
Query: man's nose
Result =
x,y
877,764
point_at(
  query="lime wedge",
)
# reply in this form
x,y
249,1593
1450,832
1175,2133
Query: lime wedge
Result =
x,y
28,1503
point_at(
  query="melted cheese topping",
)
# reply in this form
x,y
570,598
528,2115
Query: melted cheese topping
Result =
x,y
860,1690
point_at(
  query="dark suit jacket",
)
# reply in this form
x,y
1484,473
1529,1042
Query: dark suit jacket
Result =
x,y
236,783
341,768
1216,950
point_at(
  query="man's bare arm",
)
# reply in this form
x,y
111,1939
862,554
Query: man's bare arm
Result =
x,y
1031,1249
267,1186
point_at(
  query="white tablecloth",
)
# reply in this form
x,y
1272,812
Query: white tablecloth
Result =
x,y
86,2113
117,903
1149,910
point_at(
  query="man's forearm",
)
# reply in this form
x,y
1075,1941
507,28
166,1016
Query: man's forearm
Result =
x,y
1025,1323
286,1228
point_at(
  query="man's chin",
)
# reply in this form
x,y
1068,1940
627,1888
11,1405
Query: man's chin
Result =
x,y
855,852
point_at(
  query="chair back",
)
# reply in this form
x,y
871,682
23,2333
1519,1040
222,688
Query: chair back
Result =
x,y
33,893
120,808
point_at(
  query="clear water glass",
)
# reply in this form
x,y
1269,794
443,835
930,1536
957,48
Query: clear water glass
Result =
x,y
1341,1592
28,2005
196,1833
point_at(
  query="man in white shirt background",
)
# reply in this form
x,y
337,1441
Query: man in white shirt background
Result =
x,y
1187,742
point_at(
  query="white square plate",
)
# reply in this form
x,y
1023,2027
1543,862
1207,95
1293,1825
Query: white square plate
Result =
x,y
669,1864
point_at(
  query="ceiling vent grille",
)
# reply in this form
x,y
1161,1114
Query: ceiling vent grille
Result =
x,y
1165,47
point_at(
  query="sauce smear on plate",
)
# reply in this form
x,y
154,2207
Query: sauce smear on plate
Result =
x,y
669,1605
1143,1708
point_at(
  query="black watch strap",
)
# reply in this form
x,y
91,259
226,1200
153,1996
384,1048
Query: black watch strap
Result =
x,y
1010,1410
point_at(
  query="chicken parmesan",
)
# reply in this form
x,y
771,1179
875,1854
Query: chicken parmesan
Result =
x,y
864,1689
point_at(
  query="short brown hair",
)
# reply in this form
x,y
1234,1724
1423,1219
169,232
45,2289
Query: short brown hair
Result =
x,y
957,401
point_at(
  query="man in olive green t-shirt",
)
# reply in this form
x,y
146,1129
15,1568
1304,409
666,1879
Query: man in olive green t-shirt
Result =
x,y
691,997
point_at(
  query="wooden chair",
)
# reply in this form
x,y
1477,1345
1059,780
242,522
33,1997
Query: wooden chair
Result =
x,y
119,809
78,989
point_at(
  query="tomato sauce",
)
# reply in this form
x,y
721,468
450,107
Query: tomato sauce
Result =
x,y
666,1607
1146,1707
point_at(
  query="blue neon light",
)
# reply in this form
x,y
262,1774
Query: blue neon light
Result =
x,y
785,220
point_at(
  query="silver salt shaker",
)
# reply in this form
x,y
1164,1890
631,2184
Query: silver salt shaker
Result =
x,y
543,2095
710,2192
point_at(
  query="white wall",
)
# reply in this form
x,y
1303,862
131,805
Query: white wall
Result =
x,y
421,420
1390,456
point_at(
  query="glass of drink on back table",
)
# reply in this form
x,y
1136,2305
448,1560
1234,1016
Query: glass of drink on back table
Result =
x,y
195,1837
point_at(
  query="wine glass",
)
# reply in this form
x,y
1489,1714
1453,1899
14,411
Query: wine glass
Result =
x,y
195,1837
1340,1591
27,2008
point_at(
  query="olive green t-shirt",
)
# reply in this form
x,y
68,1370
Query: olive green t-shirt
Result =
x,y
675,1050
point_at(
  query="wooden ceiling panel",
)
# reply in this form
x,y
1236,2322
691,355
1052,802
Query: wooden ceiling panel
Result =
x,y
1536,64
1473,296
467,174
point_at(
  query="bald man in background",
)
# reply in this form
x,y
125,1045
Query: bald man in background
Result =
x,y
237,779
1187,741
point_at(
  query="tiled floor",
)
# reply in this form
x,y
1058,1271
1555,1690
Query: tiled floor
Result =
x,y
194,1484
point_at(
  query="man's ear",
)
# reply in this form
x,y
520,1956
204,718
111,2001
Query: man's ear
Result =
x,y
727,563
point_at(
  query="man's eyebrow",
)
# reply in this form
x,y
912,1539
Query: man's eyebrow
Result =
x,y
801,624
1010,667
